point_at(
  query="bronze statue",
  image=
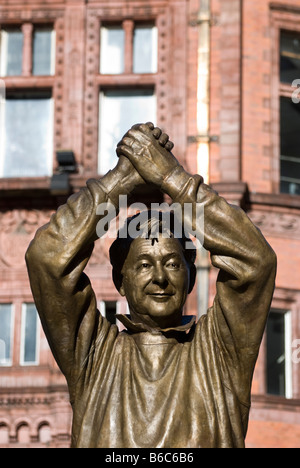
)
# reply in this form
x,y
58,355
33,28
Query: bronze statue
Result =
x,y
163,382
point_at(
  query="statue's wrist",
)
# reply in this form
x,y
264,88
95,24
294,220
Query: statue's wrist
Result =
x,y
175,182
130,181
111,183
110,180
117,183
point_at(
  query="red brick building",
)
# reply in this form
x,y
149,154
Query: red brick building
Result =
x,y
219,77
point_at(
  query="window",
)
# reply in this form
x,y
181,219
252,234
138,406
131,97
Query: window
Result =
x,y
6,334
112,50
29,335
26,146
145,49
41,44
127,49
279,354
289,57
136,41
26,112
119,110
11,52
289,114
43,51
109,309
289,146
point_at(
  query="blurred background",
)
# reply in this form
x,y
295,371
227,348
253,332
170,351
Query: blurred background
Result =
x,y
220,77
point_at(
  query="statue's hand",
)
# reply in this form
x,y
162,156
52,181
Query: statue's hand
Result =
x,y
149,151
121,180
126,173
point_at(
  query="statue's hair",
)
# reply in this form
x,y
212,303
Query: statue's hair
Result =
x,y
148,225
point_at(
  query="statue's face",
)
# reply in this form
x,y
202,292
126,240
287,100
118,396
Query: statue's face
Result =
x,y
156,281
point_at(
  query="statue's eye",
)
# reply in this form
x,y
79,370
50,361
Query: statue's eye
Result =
x,y
173,265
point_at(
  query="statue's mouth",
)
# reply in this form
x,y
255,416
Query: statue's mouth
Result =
x,y
161,297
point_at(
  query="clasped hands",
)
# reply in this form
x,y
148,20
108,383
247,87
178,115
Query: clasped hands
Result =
x,y
145,157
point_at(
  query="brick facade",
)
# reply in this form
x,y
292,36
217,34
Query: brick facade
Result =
x,y
243,142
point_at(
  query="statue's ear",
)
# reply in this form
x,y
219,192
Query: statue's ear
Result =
x,y
118,282
193,275
122,290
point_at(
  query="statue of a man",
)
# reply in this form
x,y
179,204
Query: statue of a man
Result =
x,y
162,382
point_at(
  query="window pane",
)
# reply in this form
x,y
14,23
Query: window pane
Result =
x,y
27,145
276,354
293,188
5,334
112,50
289,57
145,49
119,110
43,51
290,146
30,328
290,168
11,52
110,311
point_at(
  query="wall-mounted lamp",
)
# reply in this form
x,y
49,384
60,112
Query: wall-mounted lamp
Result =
x,y
66,161
60,182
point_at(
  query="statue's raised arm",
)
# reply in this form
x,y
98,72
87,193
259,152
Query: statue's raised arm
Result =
x,y
56,260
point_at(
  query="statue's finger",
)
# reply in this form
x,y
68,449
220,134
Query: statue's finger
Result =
x,y
138,137
169,145
163,139
157,133
128,141
137,126
150,125
124,150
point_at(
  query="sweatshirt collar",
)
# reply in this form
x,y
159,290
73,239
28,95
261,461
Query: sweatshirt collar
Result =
x,y
187,323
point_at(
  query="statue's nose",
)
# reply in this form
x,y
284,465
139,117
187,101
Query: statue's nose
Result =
x,y
159,276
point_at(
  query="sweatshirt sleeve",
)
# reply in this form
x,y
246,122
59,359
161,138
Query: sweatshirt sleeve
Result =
x,y
63,294
247,271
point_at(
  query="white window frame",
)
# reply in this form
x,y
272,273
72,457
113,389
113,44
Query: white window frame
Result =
x,y
51,142
2,132
288,374
53,52
102,309
3,53
288,354
37,338
12,323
